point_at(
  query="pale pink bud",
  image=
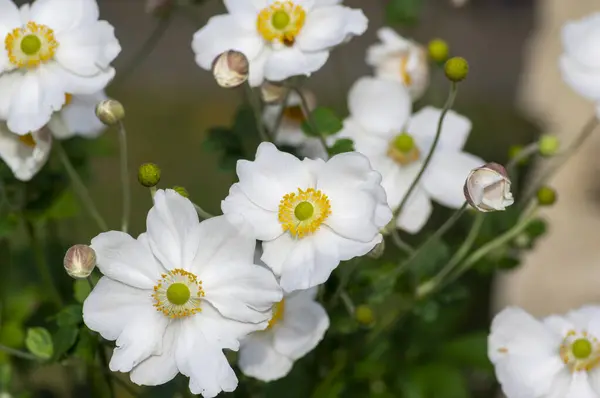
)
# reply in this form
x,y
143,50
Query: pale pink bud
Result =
x,y
487,188
230,69
80,261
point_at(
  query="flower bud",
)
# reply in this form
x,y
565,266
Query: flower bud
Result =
x,y
487,188
548,145
80,261
546,196
438,50
230,69
364,315
149,175
272,93
456,69
378,250
110,112
182,191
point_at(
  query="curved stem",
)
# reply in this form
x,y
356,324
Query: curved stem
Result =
x,y
400,244
522,155
311,122
79,187
202,213
125,185
18,353
279,120
348,303
255,104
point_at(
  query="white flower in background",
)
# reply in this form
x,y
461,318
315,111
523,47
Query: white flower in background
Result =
x,y
281,39
78,117
25,155
580,62
290,130
400,59
298,325
487,188
52,48
556,357
310,214
397,144
178,295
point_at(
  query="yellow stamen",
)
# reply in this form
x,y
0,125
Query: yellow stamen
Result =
x,y
28,140
294,113
68,99
303,213
278,311
281,21
30,45
406,78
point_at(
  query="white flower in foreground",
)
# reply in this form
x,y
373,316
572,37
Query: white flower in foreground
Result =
x,y
290,130
78,117
25,155
178,295
397,144
310,214
52,48
281,39
556,357
298,325
401,60
580,62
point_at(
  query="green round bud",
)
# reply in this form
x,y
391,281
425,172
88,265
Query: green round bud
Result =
x,y
546,196
456,69
110,112
182,191
438,50
548,145
149,175
364,315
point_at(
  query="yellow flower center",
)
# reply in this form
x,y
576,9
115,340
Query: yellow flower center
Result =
x,y
281,22
406,78
302,213
30,45
28,140
580,351
278,310
403,150
294,113
68,99
178,294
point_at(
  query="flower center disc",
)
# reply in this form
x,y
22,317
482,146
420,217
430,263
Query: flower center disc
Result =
x,y
580,351
406,78
403,150
278,310
302,213
30,45
294,113
178,294
281,22
27,140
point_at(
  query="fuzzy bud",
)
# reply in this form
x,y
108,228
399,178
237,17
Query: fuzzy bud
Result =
x,y
149,175
110,112
438,50
546,196
456,69
230,69
182,191
548,145
364,315
378,250
487,188
80,261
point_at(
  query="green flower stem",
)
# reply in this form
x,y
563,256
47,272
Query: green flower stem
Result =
x,y
42,265
152,193
413,186
344,280
79,187
525,153
311,122
279,120
255,104
402,245
348,303
107,376
125,183
18,353
202,213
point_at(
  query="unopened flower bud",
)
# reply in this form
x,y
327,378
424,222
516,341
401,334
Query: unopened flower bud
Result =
x,y
149,175
272,93
546,196
182,191
364,315
456,69
80,261
438,50
487,188
548,145
378,250
230,69
110,112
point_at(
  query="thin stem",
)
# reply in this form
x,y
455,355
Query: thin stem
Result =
x,y
346,275
18,353
279,120
79,187
125,185
348,303
522,155
107,376
413,186
255,104
42,265
202,213
152,193
310,119
402,245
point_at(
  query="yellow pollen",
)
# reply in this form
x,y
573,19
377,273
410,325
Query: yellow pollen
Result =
x,y
68,99
294,113
302,213
580,352
28,140
404,71
178,294
281,21
278,311
31,45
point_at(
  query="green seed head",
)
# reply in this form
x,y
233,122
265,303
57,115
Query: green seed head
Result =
x,y
581,348
280,19
548,145
456,69
31,44
149,175
364,315
546,196
304,211
178,293
438,50
404,143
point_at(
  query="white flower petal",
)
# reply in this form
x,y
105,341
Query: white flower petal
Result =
x,y
126,260
77,84
260,360
111,305
64,15
78,117
288,62
580,387
580,40
325,3
416,213
585,81
10,18
380,106
161,368
24,161
256,72
245,6
327,27
9,83
445,177
455,129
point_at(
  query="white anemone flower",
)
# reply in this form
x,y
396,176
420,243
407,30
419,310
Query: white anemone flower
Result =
x,y
178,295
289,131
310,214
555,357
298,325
401,60
78,117
281,39
25,155
52,48
397,144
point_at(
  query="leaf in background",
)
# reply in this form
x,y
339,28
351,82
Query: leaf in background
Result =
x,y
429,261
5,376
81,289
12,334
65,206
20,303
436,380
469,350
71,315
8,224
326,122
39,342
64,339
403,12
341,146
86,346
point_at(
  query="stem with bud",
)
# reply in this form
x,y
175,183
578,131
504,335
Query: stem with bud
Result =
x,y
255,104
311,122
125,185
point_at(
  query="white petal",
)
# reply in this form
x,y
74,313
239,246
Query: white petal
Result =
x,y
25,162
78,84
572,385
325,3
446,174
327,27
380,106
289,62
259,359
10,18
64,15
173,229
9,83
594,379
416,213
371,145
455,129
585,81
111,305
245,6
580,39
162,368
126,260
396,179
79,117
256,72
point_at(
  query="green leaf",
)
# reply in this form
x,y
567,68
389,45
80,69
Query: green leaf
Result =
x,y
81,289
64,339
71,315
12,334
5,376
39,342
469,350
65,206
341,146
403,12
87,346
437,380
325,122
20,304
8,224
432,259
